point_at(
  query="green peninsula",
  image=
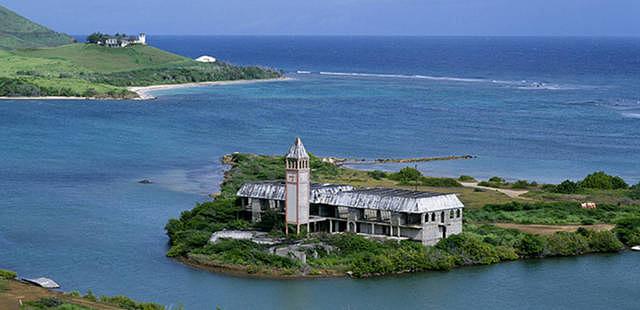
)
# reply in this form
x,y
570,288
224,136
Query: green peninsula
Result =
x,y
542,221
38,62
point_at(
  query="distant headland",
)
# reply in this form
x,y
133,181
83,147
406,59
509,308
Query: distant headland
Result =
x,y
38,63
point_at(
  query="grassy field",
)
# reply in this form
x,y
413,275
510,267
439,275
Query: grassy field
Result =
x,y
96,58
89,70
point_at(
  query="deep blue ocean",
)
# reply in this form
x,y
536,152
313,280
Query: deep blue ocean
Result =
x,y
543,109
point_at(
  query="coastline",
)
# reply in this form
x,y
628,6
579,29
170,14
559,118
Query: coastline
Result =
x,y
50,98
144,92
241,271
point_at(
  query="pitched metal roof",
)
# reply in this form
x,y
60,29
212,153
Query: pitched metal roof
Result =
x,y
297,150
398,200
387,199
274,190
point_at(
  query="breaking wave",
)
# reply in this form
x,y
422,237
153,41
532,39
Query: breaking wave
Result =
x,y
521,84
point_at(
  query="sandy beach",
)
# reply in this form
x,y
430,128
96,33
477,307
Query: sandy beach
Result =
x,y
144,92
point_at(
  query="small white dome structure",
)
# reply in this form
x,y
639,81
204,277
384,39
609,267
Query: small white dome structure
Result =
x,y
206,58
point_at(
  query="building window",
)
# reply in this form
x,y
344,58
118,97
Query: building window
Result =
x,y
433,217
458,213
451,214
370,214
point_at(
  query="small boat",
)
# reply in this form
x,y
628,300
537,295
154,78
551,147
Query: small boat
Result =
x,y
43,282
635,248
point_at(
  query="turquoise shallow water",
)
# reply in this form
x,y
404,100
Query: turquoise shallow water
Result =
x,y
72,209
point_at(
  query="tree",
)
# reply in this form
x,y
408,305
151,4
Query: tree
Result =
x,y
407,175
95,37
530,246
601,180
567,187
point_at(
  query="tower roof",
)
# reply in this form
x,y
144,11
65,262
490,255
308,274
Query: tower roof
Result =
x,y
297,150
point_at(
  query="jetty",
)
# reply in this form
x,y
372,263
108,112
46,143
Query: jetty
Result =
x,y
353,161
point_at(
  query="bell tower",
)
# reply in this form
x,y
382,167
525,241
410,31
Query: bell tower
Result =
x,y
298,186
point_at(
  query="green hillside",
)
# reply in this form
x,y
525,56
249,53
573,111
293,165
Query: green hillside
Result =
x,y
89,70
18,32
35,61
98,58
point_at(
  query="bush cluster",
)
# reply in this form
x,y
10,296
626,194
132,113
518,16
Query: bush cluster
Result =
x,y
601,180
245,253
498,182
597,180
484,244
412,176
7,274
549,213
182,74
628,230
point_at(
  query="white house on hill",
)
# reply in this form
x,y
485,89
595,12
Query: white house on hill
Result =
x,y
123,41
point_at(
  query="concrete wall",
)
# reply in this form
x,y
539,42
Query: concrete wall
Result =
x,y
432,231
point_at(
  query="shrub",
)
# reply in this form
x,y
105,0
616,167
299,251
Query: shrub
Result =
x,y
127,303
604,241
566,187
521,184
635,192
7,274
530,246
271,221
90,93
377,174
46,303
466,178
406,175
601,180
587,222
628,230
498,180
469,250
566,244
439,182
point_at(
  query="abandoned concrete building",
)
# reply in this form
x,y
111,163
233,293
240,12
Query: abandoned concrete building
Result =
x,y
394,213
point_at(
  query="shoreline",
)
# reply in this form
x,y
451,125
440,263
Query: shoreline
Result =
x,y
144,92
240,271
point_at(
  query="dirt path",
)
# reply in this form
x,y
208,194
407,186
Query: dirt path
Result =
x,y
18,291
539,229
509,192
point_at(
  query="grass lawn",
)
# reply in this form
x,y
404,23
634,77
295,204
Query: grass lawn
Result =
x,y
103,59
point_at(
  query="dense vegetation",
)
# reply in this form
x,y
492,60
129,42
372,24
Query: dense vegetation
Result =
x,y
412,176
122,302
19,32
556,213
7,274
479,244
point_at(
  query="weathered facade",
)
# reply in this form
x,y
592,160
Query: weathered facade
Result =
x,y
395,213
